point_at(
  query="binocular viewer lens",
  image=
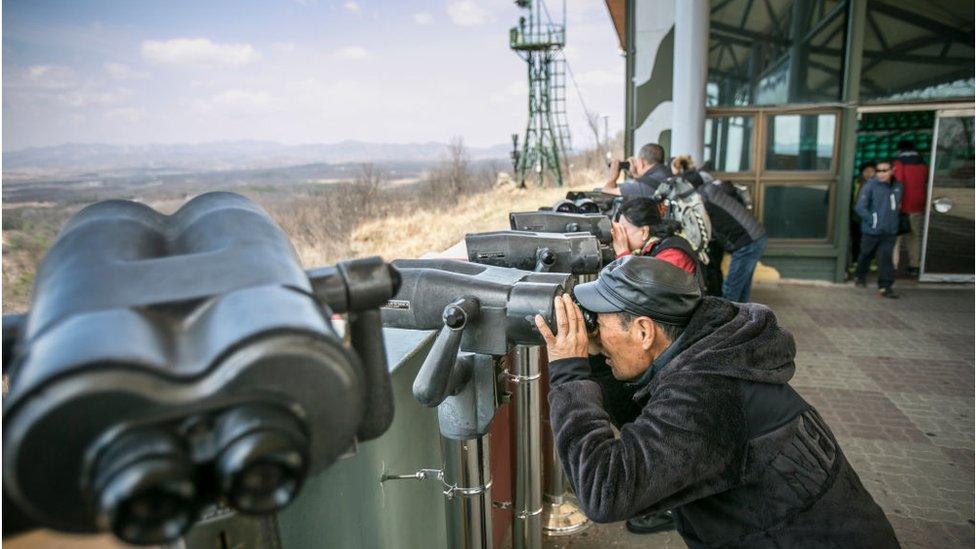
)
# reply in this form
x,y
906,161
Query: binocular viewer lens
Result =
x,y
263,459
145,490
147,481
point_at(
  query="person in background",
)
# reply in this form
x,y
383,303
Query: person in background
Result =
x,y
910,170
682,163
647,171
866,172
878,207
738,232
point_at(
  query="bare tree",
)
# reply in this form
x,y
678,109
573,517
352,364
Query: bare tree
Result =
x,y
453,176
367,186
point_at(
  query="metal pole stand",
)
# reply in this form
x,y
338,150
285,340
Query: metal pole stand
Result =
x,y
469,496
560,516
527,509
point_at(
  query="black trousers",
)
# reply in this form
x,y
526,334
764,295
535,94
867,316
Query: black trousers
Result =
x,y
883,245
855,232
713,271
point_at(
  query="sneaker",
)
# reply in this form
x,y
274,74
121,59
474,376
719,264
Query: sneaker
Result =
x,y
861,283
888,292
651,523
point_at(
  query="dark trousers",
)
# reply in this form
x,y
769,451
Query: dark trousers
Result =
x,y
738,283
883,245
855,238
713,271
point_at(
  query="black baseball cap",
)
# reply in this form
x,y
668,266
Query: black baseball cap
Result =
x,y
642,286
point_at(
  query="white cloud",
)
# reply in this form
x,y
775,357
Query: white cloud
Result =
x,y
198,52
44,76
600,77
516,89
351,6
127,115
468,13
423,18
93,97
284,47
243,99
351,53
118,71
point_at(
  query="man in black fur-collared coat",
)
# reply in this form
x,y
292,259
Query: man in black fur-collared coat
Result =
x,y
721,439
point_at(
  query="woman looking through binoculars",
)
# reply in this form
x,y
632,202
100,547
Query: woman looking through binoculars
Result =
x,y
640,229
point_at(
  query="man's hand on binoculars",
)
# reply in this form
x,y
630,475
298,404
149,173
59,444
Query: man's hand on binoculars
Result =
x,y
570,340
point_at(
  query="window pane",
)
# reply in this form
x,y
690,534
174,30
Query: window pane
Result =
x,y
728,143
771,53
917,51
803,142
796,211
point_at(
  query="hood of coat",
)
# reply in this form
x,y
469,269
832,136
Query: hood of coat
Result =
x,y
738,340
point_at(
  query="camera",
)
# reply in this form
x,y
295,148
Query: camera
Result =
x,y
624,164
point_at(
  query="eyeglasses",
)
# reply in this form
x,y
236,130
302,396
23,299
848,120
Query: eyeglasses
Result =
x,y
880,171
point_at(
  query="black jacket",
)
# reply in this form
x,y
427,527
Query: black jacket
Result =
x,y
733,226
721,439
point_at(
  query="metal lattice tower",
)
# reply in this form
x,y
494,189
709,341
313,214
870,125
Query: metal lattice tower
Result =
x,y
540,43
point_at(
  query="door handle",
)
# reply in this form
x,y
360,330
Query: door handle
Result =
x,y
943,204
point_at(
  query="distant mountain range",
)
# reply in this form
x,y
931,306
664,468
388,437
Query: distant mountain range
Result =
x,y
223,155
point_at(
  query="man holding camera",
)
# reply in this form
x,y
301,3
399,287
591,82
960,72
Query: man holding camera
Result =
x,y
647,172
718,437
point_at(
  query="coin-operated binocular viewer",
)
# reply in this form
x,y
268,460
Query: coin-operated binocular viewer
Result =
x,y
571,253
481,313
550,221
582,256
169,362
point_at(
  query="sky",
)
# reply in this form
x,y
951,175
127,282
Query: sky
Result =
x,y
290,71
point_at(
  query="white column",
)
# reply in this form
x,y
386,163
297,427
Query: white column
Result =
x,y
690,74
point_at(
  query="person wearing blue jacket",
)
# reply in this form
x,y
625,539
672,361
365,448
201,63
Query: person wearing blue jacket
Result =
x,y
878,206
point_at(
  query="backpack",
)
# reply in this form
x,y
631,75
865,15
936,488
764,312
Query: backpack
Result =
x,y
685,206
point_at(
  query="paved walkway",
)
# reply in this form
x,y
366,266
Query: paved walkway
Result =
x,y
894,380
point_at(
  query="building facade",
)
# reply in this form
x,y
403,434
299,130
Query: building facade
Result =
x,y
788,97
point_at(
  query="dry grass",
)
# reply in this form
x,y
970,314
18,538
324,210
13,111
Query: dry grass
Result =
x,y
440,226
326,223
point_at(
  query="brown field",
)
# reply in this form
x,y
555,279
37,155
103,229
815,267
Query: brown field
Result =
x,y
326,223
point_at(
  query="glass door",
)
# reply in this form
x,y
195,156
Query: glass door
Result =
x,y
947,252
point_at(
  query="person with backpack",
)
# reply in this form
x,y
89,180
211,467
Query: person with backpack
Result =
x,y
738,232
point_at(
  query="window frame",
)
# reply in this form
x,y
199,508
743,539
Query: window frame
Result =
x,y
759,177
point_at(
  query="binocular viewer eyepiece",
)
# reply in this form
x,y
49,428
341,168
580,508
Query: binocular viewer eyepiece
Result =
x,y
588,202
171,361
